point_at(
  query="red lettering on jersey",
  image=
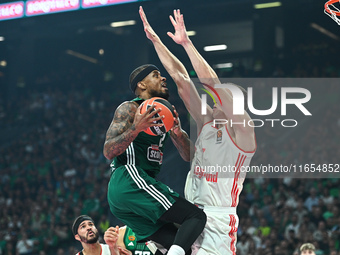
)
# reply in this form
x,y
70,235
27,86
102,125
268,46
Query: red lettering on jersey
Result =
x,y
210,177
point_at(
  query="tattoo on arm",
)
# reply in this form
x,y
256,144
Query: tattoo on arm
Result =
x,y
121,132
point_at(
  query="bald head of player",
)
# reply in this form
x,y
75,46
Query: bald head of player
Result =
x,y
146,82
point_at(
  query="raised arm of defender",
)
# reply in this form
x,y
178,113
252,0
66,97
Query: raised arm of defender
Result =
x,y
177,71
244,134
204,71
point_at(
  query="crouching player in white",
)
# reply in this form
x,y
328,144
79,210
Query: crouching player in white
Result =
x,y
229,148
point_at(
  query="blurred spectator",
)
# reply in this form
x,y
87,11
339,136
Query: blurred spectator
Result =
x,y
264,228
24,245
312,200
243,244
292,226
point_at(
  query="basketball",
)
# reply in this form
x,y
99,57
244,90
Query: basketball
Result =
x,y
166,110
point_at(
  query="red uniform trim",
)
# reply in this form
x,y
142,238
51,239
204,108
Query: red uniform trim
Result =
x,y
234,191
232,233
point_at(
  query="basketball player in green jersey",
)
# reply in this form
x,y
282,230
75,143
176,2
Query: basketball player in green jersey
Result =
x,y
136,198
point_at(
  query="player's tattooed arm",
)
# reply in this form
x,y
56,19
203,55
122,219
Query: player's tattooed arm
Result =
x,y
125,126
122,130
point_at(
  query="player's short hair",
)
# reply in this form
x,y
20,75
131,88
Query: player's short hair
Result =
x,y
78,221
139,74
307,246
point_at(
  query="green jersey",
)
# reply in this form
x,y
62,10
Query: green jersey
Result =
x,y
135,197
131,244
146,151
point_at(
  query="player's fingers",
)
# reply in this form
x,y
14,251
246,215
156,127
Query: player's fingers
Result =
x,y
143,16
176,113
141,13
171,35
178,14
181,20
153,120
172,21
150,109
154,112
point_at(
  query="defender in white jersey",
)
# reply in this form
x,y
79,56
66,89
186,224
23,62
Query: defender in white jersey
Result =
x,y
216,191
214,184
217,171
104,250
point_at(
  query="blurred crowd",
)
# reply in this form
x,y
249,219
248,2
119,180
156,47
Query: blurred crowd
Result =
x,y
52,170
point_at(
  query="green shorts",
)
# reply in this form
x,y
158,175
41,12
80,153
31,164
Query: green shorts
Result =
x,y
139,200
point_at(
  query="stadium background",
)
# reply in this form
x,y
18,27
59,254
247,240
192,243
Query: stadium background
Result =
x,y
56,107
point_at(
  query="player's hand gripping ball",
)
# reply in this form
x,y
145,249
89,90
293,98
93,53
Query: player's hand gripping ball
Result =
x,y
166,110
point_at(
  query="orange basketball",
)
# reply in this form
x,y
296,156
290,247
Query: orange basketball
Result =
x,y
166,110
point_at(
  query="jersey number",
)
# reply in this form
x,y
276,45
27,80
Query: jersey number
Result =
x,y
142,253
161,142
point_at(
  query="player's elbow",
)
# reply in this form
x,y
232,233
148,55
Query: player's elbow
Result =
x,y
181,79
186,158
108,153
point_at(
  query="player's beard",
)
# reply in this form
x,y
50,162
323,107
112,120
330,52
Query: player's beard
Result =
x,y
160,93
90,240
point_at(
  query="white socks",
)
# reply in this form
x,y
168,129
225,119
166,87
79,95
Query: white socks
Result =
x,y
176,250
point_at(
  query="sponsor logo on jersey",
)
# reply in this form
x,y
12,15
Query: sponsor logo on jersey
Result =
x,y
219,136
130,244
132,238
154,154
154,146
202,173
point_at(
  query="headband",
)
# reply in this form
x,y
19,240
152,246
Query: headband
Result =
x,y
141,75
78,221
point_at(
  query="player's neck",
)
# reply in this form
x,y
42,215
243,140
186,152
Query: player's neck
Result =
x,y
92,249
218,126
144,95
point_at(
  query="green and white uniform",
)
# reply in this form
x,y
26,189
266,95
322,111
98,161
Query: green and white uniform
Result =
x,y
131,244
134,196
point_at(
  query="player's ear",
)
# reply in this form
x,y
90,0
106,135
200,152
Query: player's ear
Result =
x,y
141,85
77,237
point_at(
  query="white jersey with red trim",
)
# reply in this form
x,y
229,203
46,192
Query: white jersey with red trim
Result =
x,y
105,250
218,169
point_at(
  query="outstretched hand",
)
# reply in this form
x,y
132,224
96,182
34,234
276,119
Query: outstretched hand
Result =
x,y
180,36
177,124
150,33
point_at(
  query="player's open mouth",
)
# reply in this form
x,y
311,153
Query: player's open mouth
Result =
x,y
163,84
